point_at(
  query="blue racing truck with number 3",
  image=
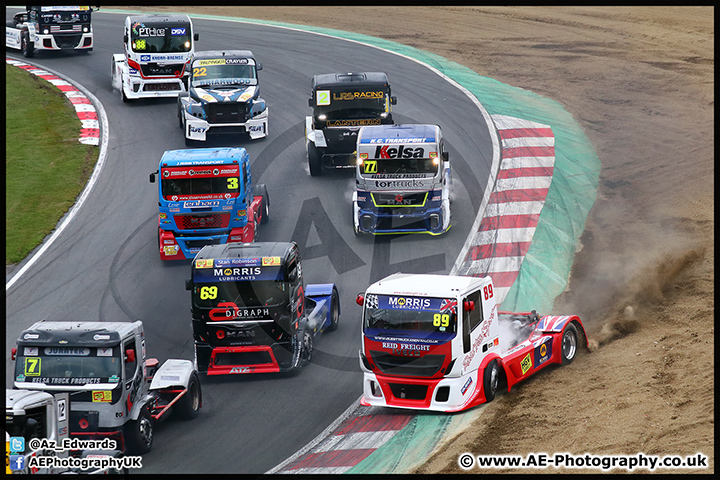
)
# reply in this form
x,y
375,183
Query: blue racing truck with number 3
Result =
x,y
206,197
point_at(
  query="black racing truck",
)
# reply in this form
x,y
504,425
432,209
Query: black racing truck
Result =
x,y
342,103
115,391
251,309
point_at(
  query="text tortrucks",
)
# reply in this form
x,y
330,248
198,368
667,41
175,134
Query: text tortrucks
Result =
x,y
115,391
438,342
251,309
403,182
342,103
156,60
206,196
50,28
223,97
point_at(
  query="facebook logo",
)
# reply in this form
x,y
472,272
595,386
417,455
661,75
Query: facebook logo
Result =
x,y
17,462
17,444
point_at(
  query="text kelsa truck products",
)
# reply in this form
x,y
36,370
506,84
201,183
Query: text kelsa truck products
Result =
x,y
223,98
403,182
50,28
156,60
342,103
436,342
31,414
115,392
251,310
206,197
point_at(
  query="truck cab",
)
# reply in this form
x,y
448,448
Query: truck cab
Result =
x,y
206,196
103,367
251,309
403,180
341,104
223,97
51,28
158,50
438,342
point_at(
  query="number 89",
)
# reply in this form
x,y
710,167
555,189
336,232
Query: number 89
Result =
x,y
441,320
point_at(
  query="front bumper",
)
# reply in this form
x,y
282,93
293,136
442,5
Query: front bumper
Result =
x,y
197,129
440,395
76,41
416,220
231,360
138,87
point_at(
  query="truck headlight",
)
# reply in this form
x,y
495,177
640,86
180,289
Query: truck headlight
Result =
x,y
46,31
85,29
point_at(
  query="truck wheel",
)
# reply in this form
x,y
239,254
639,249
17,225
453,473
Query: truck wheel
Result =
x,y
261,191
314,160
139,433
26,46
307,346
180,114
334,310
568,349
125,99
491,379
188,407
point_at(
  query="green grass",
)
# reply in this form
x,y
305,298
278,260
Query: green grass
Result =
x,y
46,167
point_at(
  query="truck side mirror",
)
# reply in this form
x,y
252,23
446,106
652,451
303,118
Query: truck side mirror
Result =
x,y
152,365
152,178
13,353
196,37
446,156
258,66
360,299
125,38
469,305
188,284
393,100
310,102
129,355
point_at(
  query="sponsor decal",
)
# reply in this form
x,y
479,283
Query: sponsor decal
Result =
x,y
357,95
171,249
177,31
246,262
466,386
213,61
270,261
526,364
237,61
399,140
204,263
542,352
241,370
399,184
78,352
353,123
140,30
30,351
101,396
202,203
401,151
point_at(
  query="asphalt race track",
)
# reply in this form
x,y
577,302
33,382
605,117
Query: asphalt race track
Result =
x,y
105,265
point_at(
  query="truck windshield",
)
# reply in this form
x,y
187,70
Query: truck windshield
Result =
x,y
204,182
160,37
242,294
412,314
347,105
205,73
399,166
68,365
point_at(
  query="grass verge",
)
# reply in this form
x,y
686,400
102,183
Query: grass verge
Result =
x,y
46,167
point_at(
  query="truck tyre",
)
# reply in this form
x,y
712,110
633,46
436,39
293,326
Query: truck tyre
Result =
x,y
180,115
307,347
26,46
139,433
188,407
261,191
314,160
491,379
568,348
334,310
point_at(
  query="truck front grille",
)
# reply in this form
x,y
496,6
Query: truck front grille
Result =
x,y
425,366
155,70
227,113
202,220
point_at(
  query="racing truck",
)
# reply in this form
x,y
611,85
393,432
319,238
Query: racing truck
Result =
x,y
438,342
31,414
251,310
115,392
342,103
403,182
158,50
223,97
50,28
206,197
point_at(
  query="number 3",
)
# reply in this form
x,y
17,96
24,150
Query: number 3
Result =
x,y
232,183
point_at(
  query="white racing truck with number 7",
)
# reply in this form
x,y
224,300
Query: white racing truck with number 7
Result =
x,y
438,342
